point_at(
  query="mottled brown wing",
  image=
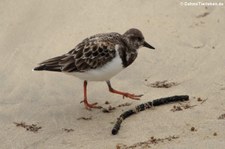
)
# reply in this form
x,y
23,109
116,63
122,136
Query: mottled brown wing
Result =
x,y
91,53
88,56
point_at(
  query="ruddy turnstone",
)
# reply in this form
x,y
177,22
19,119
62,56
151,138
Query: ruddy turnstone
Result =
x,y
99,58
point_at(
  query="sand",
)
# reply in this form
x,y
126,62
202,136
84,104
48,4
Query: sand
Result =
x,y
189,42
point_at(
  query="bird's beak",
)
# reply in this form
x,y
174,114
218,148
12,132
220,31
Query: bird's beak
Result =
x,y
148,45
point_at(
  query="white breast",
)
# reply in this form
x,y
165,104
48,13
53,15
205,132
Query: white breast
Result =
x,y
103,73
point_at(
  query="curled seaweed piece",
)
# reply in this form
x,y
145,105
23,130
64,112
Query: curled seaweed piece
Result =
x,y
147,105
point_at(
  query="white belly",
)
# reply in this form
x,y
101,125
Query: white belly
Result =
x,y
104,73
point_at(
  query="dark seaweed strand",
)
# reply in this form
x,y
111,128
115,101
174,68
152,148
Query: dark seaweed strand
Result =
x,y
147,105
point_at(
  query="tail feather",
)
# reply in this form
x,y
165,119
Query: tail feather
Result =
x,y
52,64
48,68
54,60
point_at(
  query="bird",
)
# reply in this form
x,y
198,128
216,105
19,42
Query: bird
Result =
x,y
99,58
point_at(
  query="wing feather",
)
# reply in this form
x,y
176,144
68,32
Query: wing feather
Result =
x,y
91,53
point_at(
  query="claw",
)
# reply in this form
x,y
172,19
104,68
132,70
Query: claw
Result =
x,y
132,96
89,106
124,94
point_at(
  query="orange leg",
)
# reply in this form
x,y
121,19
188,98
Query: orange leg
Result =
x,y
86,104
124,94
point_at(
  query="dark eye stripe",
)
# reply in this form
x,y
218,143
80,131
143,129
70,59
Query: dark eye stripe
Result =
x,y
139,39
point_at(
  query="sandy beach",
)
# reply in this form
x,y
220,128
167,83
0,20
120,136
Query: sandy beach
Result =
x,y
190,54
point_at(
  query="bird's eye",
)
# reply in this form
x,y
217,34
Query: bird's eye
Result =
x,y
139,39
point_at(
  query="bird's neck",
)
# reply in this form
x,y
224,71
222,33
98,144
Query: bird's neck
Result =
x,y
127,54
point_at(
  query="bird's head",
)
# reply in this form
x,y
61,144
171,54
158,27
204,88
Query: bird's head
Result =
x,y
135,39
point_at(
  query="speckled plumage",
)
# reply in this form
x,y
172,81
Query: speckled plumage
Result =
x,y
92,53
99,58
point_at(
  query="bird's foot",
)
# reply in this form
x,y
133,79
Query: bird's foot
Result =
x,y
132,96
124,94
89,106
